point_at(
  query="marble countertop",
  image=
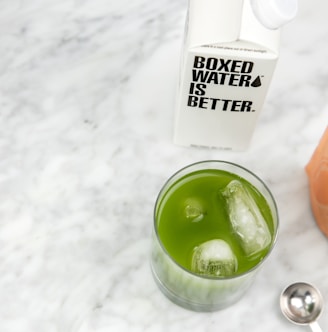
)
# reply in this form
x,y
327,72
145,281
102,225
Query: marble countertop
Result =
x,y
87,93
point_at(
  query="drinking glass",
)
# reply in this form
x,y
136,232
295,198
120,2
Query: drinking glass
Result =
x,y
200,292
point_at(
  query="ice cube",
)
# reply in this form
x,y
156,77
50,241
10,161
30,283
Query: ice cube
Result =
x,y
194,210
246,218
214,258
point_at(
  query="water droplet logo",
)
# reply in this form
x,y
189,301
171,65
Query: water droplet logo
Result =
x,y
257,82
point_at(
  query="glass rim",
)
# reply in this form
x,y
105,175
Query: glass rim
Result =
x,y
213,161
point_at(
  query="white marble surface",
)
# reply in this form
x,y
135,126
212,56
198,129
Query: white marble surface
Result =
x,y
87,95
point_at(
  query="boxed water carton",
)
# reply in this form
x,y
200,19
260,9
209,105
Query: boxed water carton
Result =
x,y
229,56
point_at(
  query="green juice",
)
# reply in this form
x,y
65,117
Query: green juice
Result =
x,y
193,210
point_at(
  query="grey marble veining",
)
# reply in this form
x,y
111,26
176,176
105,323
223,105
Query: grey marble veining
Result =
x,y
87,94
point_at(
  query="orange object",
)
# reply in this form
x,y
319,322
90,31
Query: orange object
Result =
x,y
317,171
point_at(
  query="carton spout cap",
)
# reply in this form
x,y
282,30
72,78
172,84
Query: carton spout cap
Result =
x,y
273,14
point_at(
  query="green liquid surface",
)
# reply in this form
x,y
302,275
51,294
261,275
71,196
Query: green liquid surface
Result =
x,y
181,229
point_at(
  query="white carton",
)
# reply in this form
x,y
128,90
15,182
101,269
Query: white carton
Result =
x,y
228,61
